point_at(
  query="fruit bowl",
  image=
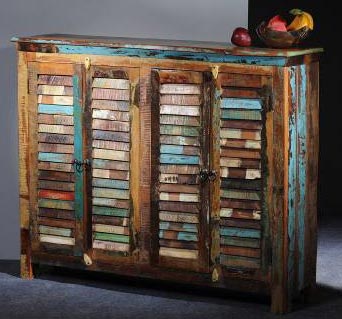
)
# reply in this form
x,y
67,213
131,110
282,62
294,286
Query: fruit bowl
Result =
x,y
281,39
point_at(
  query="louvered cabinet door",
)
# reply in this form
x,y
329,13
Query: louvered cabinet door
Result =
x,y
114,153
179,154
240,212
56,140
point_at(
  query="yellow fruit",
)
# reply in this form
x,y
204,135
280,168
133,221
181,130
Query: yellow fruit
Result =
x,y
302,19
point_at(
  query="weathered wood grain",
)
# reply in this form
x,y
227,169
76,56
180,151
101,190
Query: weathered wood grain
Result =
x,y
179,197
240,251
179,227
56,176
109,220
55,148
56,213
240,232
234,203
106,83
57,100
239,261
179,169
240,115
180,120
230,183
112,246
57,231
174,188
111,136
240,213
110,211
179,130
240,162
236,103
110,115
56,185
179,89
112,174
178,244
57,240
188,110
179,149
239,92
111,237
110,94
54,222
110,193
240,153
179,179
240,173
240,223
179,140
241,124
60,167
110,202
55,119
240,194
178,207
110,105
240,134
55,109
109,165
43,193
178,253
55,90
240,143
110,229
179,159
55,157
178,76
240,80
56,204
175,235
111,154
55,138
110,125
180,100
180,217
55,79
240,242
110,183
117,146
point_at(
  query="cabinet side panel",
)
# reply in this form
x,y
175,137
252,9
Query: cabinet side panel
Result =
x,y
312,130
25,254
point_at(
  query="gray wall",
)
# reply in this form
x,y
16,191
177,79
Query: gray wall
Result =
x,y
175,19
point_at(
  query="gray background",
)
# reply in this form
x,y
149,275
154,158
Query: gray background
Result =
x,y
175,19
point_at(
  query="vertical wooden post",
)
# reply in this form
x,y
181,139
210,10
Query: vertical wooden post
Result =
x,y
24,199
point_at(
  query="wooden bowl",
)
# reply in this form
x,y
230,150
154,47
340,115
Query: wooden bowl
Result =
x,y
280,39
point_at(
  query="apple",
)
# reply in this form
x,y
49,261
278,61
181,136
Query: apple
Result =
x,y
241,37
277,23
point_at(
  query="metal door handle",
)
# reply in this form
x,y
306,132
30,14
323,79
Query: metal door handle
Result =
x,y
81,165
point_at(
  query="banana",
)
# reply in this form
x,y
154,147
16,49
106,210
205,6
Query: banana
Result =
x,y
302,19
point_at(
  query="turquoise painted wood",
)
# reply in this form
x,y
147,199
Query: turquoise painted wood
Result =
x,y
53,157
111,237
240,115
55,109
236,103
178,159
181,236
192,228
171,149
110,183
78,148
110,211
240,232
292,199
302,171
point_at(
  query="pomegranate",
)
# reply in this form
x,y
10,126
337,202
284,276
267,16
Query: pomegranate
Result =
x,y
241,37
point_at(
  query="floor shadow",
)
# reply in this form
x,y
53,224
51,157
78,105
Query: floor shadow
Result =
x,y
10,267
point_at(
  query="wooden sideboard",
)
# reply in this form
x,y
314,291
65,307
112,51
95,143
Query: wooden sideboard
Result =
x,y
193,162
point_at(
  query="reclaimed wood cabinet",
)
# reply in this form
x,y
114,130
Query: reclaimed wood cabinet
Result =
x,y
193,162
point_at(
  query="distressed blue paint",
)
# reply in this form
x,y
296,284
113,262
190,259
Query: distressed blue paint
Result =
x,y
240,115
292,202
302,167
171,54
181,236
52,157
178,159
110,183
240,232
78,147
235,103
186,227
110,211
171,149
55,109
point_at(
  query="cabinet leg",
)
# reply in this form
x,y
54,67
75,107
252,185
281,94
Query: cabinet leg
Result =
x,y
280,302
26,269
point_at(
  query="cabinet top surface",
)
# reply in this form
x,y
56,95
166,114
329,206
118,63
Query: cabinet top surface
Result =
x,y
164,45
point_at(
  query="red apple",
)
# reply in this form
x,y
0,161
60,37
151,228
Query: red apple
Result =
x,y
277,23
241,37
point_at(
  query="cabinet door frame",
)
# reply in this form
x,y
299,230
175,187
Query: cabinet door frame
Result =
x,y
201,264
109,70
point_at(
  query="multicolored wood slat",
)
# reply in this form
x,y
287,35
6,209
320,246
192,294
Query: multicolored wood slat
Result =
x,y
111,161
56,179
179,163
240,171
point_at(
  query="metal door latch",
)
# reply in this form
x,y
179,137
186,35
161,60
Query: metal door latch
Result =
x,y
206,174
81,165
